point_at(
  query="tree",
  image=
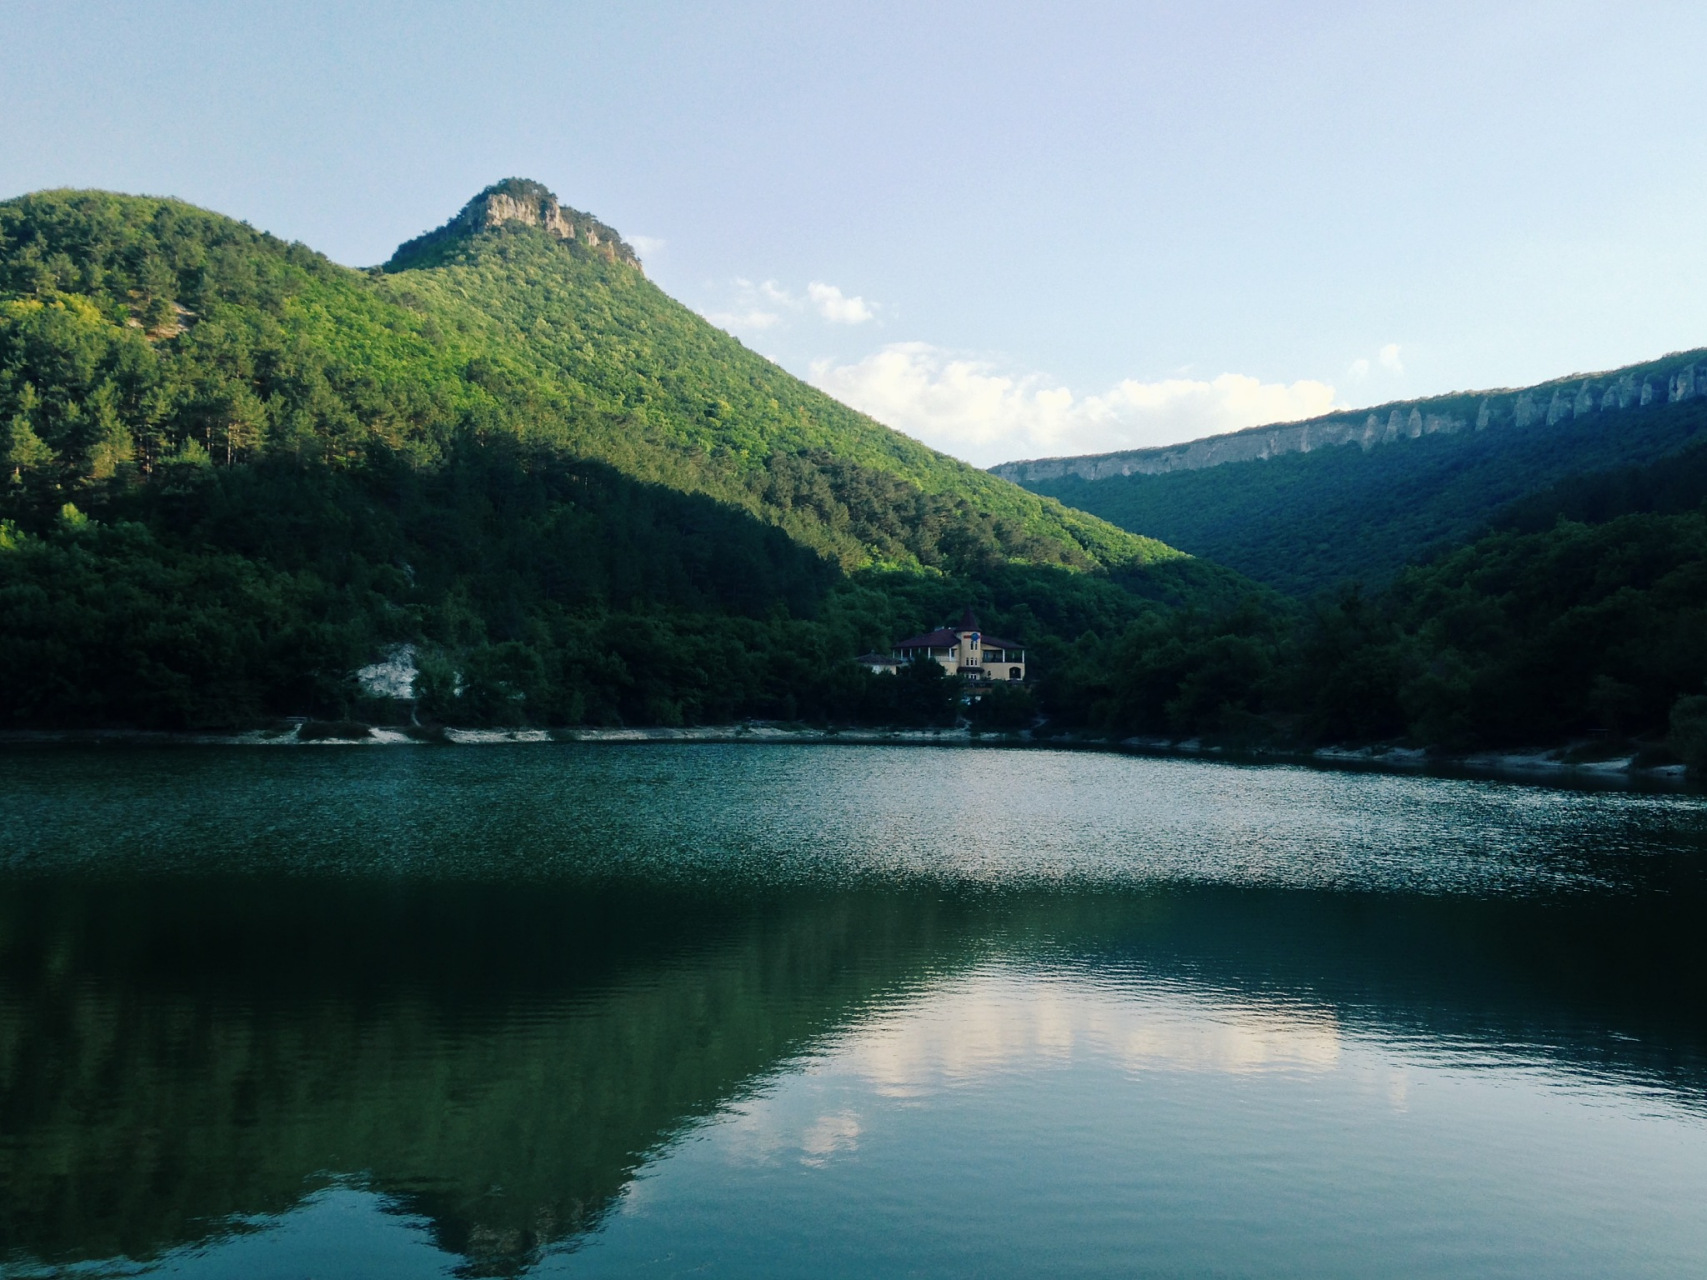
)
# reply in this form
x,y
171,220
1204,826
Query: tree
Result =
x,y
1003,706
926,694
1689,733
24,450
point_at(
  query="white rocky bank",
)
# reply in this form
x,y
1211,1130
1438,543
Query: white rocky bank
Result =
x,y
1560,765
1669,381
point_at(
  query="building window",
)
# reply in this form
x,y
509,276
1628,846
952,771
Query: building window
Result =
x,y
1014,673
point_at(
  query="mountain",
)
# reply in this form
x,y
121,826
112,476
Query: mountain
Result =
x,y
1356,495
517,317
1536,563
234,471
1573,620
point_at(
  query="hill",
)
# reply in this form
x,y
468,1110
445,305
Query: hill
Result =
x,y
1303,506
1576,613
234,471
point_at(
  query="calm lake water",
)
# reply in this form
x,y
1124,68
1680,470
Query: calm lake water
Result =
x,y
798,1011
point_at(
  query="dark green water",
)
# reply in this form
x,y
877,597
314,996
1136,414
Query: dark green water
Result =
x,y
775,1011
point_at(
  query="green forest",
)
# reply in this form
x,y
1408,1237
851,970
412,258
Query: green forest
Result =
x,y
1580,611
1305,522
234,472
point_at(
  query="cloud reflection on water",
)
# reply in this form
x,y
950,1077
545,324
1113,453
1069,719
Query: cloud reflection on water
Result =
x,y
998,1019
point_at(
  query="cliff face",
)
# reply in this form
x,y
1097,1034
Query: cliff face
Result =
x,y
1667,381
523,201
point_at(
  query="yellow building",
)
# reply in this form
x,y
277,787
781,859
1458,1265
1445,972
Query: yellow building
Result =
x,y
962,649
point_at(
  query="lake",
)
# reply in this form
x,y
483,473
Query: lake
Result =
x,y
665,1010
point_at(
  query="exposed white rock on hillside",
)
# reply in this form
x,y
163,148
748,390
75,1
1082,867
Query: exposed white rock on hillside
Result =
x,y
394,677
523,201
1666,381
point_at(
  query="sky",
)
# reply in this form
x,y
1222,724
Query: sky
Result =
x,y
1008,230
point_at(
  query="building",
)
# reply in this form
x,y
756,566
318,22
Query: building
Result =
x,y
878,662
962,649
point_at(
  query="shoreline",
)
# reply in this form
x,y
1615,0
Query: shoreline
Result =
x,y
1538,766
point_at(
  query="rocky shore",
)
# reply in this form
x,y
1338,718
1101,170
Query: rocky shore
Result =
x,y
1570,764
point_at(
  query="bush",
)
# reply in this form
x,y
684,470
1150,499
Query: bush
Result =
x,y
1689,733
1003,708
925,694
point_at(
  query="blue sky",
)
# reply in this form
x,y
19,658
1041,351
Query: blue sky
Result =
x,y
1008,230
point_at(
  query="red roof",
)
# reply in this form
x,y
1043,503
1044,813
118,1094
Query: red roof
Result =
x,y
946,637
941,638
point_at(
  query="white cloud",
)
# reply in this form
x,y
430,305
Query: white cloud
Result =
x,y
739,321
754,307
837,307
1359,370
1389,358
644,245
969,408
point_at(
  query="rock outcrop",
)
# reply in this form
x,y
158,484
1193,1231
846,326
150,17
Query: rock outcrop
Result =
x,y
1667,381
524,202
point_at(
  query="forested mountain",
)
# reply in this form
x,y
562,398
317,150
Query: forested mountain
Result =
x,y
234,471
1577,612
1355,496
141,332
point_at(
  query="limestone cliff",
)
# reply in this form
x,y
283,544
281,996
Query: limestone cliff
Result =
x,y
516,201
1666,381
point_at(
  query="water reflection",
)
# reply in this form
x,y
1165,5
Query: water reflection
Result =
x,y
998,1019
219,1005
183,1053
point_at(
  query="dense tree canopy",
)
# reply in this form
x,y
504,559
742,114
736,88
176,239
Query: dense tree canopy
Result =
x,y
1582,611
136,334
234,472
1305,522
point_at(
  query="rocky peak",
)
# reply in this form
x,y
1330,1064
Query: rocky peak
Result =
x,y
525,202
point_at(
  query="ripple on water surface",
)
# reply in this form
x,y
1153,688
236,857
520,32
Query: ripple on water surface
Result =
x,y
821,815
804,1011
